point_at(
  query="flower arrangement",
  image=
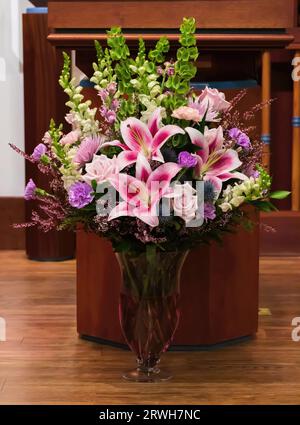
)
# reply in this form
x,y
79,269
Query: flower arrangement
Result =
x,y
153,163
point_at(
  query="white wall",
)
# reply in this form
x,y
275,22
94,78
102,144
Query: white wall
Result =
x,y
11,96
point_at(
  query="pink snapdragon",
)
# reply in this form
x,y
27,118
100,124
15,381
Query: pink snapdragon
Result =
x,y
71,137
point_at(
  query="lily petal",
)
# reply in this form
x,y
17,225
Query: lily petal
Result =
x,y
143,169
158,156
163,135
215,138
216,182
198,139
226,162
122,209
131,190
114,143
154,121
159,181
235,175
136,135
126,158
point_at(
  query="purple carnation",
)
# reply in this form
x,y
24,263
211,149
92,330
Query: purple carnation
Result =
x,y
80,194
209,211
243,141
30,189
187,160
234,133
240,138
38,152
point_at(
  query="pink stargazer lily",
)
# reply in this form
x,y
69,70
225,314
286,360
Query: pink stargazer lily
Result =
x,y
215,163
141,194
140,138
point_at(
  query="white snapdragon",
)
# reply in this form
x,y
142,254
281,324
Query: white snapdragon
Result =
x,y
234,196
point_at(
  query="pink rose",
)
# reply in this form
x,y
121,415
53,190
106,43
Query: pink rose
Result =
x,y
71,137
186,113
213,99
100,169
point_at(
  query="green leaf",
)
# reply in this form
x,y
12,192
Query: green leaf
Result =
x,y
265,206
280,194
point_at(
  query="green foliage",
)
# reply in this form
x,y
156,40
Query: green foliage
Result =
x,y
279,194
55,134
157,55
185,70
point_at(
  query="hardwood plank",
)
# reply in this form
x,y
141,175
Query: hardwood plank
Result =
x,y
43,361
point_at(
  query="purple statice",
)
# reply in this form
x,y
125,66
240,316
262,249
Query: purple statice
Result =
x,y
38,152
239,137
30,190
209,211
187,160
80,194
250,171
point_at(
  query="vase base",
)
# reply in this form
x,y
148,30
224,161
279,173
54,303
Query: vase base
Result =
x,y
138,375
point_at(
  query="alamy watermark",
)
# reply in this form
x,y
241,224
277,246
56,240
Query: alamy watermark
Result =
x,y
296,329
159,199
2,329
296,70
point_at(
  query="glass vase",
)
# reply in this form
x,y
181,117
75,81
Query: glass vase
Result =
x,y
149,308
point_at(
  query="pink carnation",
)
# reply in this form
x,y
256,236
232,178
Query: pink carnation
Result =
x,y
186,113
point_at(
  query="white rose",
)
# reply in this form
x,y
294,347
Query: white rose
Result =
x,y
185,203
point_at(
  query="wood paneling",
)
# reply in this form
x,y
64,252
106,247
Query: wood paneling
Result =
x,y
151,14
43,361
282,234
12,210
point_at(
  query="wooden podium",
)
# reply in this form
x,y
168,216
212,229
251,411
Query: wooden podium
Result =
x,y
219,284
219,291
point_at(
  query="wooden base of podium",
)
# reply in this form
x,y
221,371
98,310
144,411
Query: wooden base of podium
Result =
x,y
219,291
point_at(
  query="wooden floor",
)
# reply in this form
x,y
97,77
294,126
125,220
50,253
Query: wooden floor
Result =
x,y
43,361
